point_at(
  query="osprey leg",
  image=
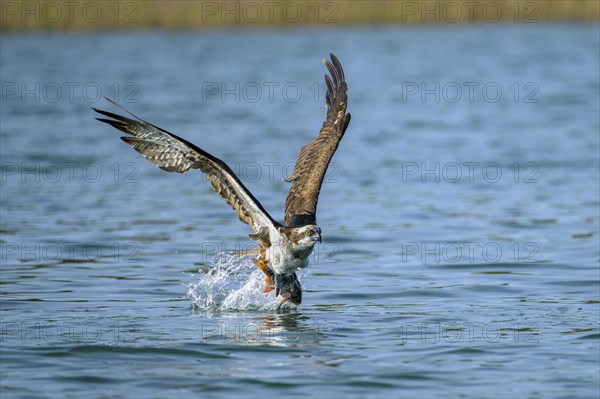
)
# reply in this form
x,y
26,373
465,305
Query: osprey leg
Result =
x,y
286,285
289,287
263,265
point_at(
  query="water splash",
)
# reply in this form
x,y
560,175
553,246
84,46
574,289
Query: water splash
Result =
x,y
231,283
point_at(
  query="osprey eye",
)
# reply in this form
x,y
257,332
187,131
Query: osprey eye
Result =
x,y
308,232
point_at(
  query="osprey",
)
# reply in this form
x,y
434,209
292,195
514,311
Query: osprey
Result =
x,y
282,248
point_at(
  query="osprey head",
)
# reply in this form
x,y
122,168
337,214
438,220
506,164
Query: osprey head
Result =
x,y
302,238
308,234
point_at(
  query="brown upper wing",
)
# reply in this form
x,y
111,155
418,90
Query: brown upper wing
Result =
x,y
174,154
313,159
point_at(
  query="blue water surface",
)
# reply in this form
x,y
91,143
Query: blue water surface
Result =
x,y
460,215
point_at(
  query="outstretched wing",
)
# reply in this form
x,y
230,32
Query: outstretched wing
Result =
x,y
174,154
313,159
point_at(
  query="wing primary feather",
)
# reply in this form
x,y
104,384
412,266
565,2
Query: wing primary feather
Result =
x,y
113,116
314,157
329,91
174,154
116,124
332,72
338,66
123,108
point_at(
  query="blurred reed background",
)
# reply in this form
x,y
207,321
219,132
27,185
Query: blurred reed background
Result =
x,y
27,15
